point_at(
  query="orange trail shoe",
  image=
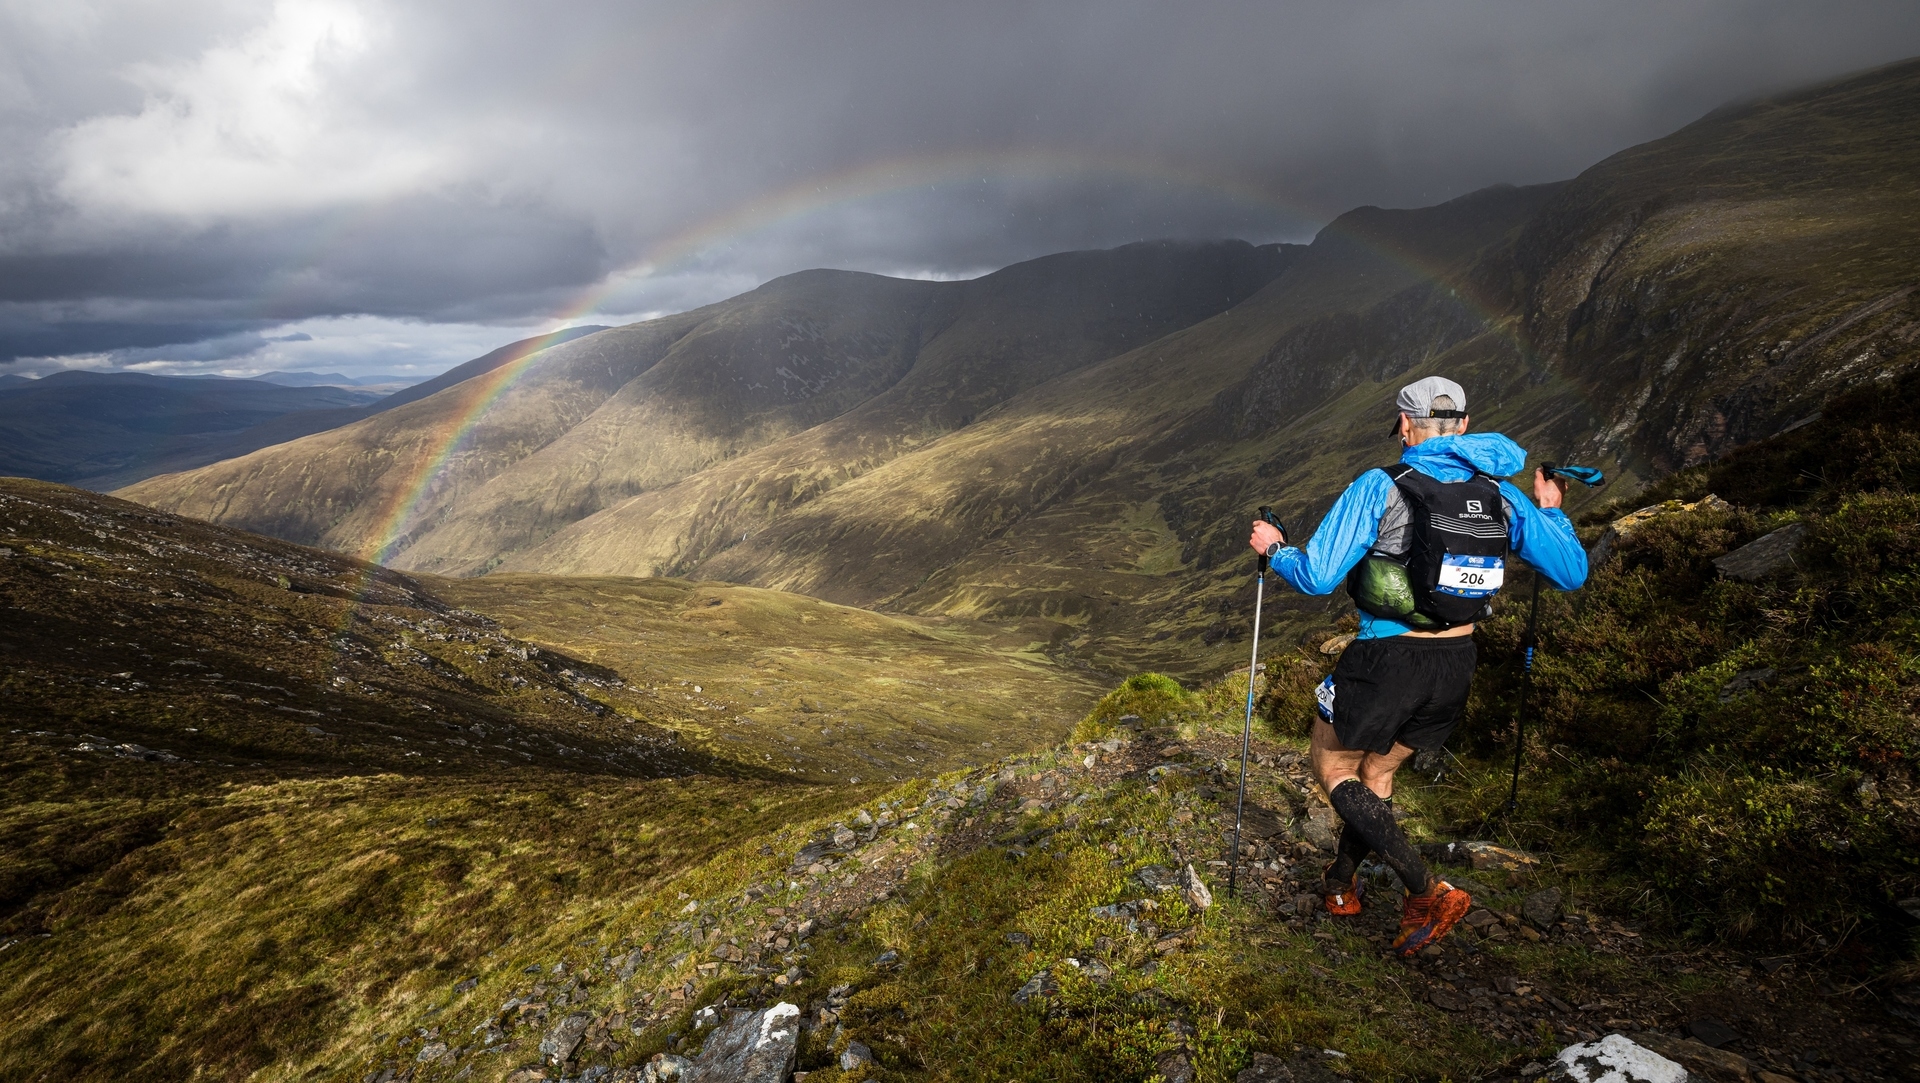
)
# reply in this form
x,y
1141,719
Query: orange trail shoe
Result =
x,y
1430,916
1342,900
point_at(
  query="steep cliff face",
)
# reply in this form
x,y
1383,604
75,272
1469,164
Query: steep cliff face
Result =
x,y
1716,285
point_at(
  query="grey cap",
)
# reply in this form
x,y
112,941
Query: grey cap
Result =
x,y
1416,399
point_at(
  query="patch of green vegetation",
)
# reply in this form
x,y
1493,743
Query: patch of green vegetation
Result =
x,y
1151,696
285,925
1745,747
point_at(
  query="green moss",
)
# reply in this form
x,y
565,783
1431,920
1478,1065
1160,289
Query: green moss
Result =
x,y
1151,697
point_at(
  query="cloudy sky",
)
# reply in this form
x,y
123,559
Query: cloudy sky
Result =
x,y
220,185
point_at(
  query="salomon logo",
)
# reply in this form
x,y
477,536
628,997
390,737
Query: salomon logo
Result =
x,y
1473,507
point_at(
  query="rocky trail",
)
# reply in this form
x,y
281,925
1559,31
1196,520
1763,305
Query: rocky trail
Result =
x,y
818,962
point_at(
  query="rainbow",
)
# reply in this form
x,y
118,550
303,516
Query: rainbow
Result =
x,y
476,395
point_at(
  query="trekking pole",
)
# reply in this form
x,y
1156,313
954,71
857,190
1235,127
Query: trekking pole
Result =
x,y
1528,642
1246,729
1593,478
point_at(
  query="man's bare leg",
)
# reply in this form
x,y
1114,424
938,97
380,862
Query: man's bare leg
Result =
x,y
1333,763
1363,808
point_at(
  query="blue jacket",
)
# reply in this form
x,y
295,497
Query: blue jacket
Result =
x,y
1543,537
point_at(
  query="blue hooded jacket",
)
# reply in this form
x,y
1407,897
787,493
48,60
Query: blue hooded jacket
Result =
x,y
1543,537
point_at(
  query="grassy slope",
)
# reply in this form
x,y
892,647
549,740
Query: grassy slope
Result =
x,y
1744,747
802,685
259,800
982,880
779,360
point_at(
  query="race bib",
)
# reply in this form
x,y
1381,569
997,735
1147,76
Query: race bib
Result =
x,y
1471,577
1324,696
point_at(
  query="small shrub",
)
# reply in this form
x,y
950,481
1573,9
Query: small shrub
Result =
x,y
1746,848
1745,747
1152,696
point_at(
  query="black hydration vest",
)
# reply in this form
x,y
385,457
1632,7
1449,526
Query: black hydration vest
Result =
x,y
1455,561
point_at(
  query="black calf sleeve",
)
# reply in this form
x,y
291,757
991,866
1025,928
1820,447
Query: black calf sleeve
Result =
x,y
1372,818
1351,852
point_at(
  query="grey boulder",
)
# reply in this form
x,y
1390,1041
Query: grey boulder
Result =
x,y
1040,985
752,1047
564,1038
1321,827
1763,556
856,1055
1542,908
1199,896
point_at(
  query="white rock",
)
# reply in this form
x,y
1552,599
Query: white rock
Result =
x,y
1614,1059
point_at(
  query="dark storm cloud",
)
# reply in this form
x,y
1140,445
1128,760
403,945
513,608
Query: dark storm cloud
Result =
x,y
206,171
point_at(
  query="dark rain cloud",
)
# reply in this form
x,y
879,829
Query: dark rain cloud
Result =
x,y
203,172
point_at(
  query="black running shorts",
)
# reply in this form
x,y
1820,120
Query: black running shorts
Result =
x,y
1406,689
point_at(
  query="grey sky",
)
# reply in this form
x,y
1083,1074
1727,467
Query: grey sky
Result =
x,y
194,185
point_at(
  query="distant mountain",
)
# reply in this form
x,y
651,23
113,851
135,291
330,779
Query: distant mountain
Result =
x,y
80,431
331,379
101,429
1075,444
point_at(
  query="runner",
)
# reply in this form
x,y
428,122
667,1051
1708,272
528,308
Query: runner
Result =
x,y
1421,546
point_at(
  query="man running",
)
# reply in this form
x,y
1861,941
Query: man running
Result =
x,y
1421,547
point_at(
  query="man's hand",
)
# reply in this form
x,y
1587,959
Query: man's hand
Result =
x,y
1548,492
1265,537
